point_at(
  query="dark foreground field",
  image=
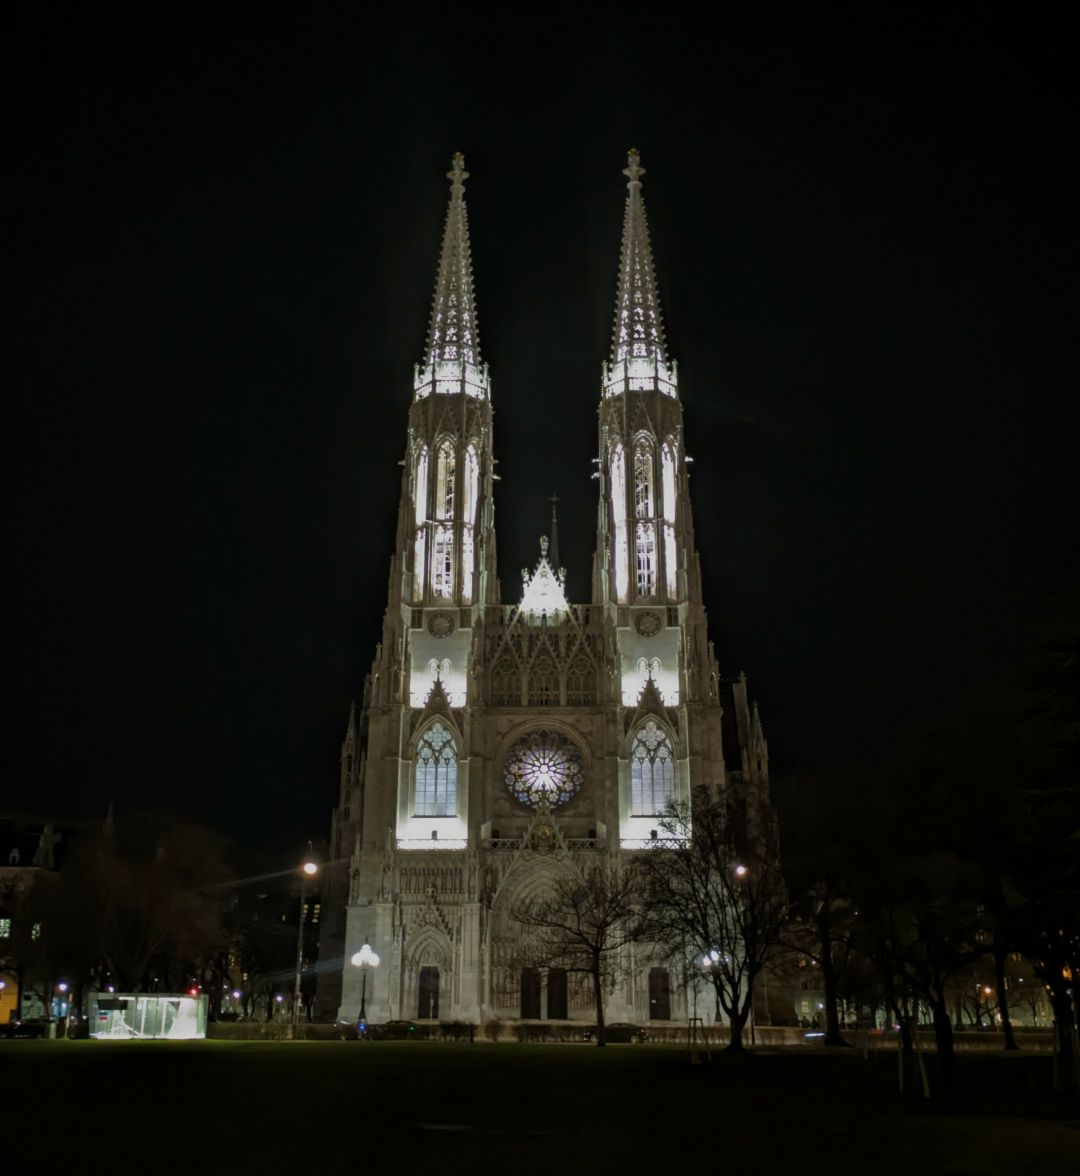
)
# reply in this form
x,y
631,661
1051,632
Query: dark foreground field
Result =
x,y
360,1107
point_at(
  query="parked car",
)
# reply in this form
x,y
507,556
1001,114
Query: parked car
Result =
x,y
31,1027
619,1032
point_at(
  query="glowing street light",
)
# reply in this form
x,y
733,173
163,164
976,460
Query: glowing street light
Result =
x,y
741,871
366,960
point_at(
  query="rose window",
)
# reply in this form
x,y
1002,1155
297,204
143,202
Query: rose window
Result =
x,y
543,767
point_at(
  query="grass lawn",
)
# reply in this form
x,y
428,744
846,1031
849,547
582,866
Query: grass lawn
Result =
x,y
319,1108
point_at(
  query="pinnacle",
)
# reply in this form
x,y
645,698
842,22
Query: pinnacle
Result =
x,y
639,332
453,333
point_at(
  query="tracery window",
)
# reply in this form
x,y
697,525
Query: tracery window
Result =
x,y
472,485
644,494
442,562
505,684
646,559
668,480
644,511
419,555
420,486
580,684
420,505
671,564
543,767
618,510
435,774
652,771
444,481
468,561
543,683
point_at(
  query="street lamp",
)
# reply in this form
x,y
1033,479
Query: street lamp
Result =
x,y
365,959
308,870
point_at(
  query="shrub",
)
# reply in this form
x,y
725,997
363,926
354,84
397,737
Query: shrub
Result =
x,y
493,1029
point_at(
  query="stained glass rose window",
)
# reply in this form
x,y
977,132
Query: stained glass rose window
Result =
x,y
543,767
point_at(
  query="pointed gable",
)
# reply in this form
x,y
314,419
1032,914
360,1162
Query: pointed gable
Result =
x,y
543,596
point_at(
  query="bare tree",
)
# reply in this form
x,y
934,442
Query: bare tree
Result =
x,y
582,923
715,903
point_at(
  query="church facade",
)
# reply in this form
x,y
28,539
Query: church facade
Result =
x,y
496,736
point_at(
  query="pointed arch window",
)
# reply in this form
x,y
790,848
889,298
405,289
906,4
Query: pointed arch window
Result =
x,y
468,562
420,486
420,507
671,564
435,774
444,481
667,459
618,510
442,562
644,488
419,555
644,512
472,486
652,771
646,559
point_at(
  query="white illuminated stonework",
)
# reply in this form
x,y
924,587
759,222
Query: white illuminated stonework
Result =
x,y
496,736
543,597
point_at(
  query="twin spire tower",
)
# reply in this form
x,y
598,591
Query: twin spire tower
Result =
x,y
495,735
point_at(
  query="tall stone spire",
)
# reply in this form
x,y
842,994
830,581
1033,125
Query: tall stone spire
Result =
x,y
639,360
644,540
639,331
453,334
446,541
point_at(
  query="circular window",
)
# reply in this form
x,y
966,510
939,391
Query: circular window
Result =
x,y
543,767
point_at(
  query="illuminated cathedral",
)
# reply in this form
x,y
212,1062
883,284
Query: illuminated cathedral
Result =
x,y
497,735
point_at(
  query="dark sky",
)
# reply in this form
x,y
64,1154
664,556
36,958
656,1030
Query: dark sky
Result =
x,y
224,241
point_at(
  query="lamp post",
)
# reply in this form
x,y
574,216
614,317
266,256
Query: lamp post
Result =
x,y
308,870
365,959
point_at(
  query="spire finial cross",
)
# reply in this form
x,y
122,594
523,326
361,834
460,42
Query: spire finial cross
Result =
x,y
554,500
457,175
633,170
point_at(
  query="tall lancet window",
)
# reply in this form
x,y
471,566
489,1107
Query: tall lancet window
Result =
x,y
420,491
644,492
646,559
671,566
442,561
444,481
470,495
435,779
472,485
618,511
442,547
644,511
652,771
468,562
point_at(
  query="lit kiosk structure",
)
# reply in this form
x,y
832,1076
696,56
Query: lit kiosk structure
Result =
x,y
494,738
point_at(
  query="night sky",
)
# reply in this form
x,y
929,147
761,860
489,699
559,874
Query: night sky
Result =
x,y
224,239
